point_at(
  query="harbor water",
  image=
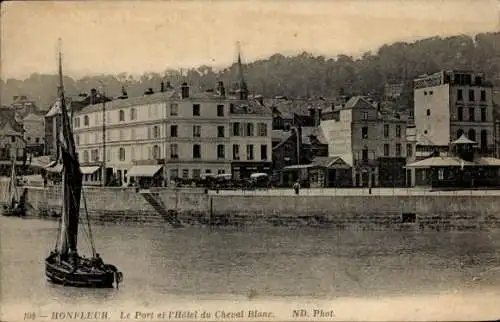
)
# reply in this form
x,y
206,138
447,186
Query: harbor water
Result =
x,y
164,265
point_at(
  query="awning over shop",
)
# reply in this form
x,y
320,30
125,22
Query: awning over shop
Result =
x,y
144,170
41,162
89,170
440,162
56,168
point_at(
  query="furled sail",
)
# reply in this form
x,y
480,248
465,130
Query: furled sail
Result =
x,y
71,177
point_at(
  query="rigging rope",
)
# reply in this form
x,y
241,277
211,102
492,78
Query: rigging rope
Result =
x,y
59,230
88,223
89,240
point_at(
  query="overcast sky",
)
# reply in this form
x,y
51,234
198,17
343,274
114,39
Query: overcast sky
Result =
x,y
134,37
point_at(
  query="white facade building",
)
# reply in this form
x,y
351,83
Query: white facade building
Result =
x,y
183,135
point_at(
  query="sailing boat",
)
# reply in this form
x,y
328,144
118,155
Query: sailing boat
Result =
x,y
64,265
17,204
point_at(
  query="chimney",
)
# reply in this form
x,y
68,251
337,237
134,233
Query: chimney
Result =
x,y
260,99
162,87
93,96
220,89
124,93
184,90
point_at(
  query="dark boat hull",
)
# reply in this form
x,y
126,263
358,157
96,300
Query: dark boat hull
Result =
x,y
81,277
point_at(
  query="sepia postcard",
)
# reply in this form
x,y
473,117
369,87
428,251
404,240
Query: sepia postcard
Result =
x,y
250,160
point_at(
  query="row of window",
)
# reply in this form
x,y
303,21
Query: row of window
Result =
x,y
196,173
8,151
93,156
221,152
174,110
387,151
247,129
154,132
37,140
364,131
197,110
460,95
239,129
472,114
472,95
174,154
464,79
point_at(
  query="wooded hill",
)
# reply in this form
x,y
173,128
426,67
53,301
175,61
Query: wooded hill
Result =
x,y
297,76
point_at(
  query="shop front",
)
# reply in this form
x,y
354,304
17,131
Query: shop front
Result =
x,y
243,170
146,176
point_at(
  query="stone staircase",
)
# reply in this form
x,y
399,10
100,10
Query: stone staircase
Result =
x,y
155,201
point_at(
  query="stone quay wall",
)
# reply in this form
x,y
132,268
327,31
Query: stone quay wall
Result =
x,y
357,212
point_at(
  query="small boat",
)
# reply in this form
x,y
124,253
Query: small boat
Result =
x,y
64,265
17,205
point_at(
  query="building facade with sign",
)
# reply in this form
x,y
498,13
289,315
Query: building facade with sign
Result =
x,y
175,134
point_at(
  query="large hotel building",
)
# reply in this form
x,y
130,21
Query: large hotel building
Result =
x,y
175,134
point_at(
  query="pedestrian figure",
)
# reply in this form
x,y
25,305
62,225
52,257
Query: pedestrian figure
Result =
x,y
296,187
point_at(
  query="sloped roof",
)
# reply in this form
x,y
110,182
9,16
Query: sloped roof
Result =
x,y
41,161
339,161
307,133
488,161
55,109
314,131
7,130
251,106
7,115
463,140
440,161
299,107
330,162
159,97
358,102
33,117
133,101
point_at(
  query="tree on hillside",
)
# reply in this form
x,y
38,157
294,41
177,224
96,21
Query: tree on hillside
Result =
x,y
303,75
